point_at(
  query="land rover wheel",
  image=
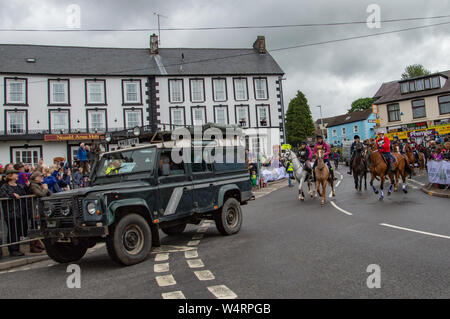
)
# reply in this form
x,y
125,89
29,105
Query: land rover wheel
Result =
x,y
64,252
174,230
130,240
229,218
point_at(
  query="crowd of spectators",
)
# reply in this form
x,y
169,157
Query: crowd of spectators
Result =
x,y
20,179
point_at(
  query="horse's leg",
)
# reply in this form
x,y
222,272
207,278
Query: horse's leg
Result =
x,y
318,187
372,177
365,179
300,189
324,188
355,178
332,188
360,180
381,186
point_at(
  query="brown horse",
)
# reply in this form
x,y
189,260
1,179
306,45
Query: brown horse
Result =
x,y
378,167
412,159
323,175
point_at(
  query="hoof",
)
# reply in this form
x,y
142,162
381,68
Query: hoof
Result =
x,y
376,192
405,191
334,194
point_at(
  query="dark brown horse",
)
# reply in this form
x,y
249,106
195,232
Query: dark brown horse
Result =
x,y
412,159
378,167
359,168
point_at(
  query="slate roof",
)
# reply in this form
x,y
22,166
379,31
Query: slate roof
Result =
x,y
348,118
70,60
390,91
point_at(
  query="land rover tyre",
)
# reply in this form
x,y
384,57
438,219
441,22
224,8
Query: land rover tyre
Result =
x,y
229,218
64,252
130,240
174,230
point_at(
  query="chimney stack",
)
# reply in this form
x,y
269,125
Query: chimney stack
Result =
x,y
260,44
153,44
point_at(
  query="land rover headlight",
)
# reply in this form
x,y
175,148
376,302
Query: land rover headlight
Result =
x,y
91,208
48,209
137,131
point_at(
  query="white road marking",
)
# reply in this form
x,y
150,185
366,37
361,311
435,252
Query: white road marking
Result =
x,y
195,263
416,231
202,230
417,182
198,236
162,257
204,275
222,292
161,267
173,295
164,281
193,242
191,254
165,249
338,183
340,209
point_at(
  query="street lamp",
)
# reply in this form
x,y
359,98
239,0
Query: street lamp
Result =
x,y
321,120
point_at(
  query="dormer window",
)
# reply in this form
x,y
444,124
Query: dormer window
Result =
x,y
427,84
435,83
412,88
419,85
404,87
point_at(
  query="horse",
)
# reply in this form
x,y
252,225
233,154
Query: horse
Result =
x,y
301,175
412,159
359,168
378,167
322,175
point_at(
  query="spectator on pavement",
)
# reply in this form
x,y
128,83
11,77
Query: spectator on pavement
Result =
x,y
78,177
24,177
82,157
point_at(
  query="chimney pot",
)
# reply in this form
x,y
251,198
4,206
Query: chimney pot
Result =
x,y
260,44
154,44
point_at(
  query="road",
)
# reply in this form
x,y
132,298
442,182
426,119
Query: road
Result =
x,y
285,249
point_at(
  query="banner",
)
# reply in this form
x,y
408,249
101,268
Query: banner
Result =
x,y
439,172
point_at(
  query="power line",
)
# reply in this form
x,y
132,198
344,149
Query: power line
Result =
x,y
224,27
126,72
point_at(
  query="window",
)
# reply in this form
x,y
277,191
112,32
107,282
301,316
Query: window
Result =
x,y
16,91
435,82
95,92
221,115
419,85
198,114
16,122
444,104
262,112
393,112
411,86
343,131
59,121
260,88
58,92
404,87
197,90
133,118
132,93
176,94
96,120
240,90
177,117
242,116
201,161
259,145
427,84
355,129
418,107
219,90
174,168
29,156
334,133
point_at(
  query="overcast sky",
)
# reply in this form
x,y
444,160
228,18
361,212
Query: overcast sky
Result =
x,y
332,75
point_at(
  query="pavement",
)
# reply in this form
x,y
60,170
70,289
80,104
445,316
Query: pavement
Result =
x,y
433,190
285,249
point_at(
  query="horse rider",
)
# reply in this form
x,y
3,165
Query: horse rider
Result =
x,y
356,141
290,171
305,156
327,150
414,148
384,148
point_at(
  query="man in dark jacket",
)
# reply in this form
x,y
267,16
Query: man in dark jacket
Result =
x,y
82,157
356,141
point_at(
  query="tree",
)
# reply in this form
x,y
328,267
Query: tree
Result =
x,y
414,70
360,104
299,122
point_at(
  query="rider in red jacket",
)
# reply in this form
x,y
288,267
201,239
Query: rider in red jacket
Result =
x,y
384,147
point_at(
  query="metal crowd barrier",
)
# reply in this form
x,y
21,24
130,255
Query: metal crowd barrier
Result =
x,y
18,216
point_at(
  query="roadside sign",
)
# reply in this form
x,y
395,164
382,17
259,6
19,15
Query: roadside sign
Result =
x,y
128,142
375,108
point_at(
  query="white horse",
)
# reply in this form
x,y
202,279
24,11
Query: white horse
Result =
x,y
300,174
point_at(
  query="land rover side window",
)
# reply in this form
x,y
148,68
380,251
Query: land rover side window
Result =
x,y
200,163
173,168
126,162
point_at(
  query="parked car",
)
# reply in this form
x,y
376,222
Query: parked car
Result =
x,y
135,192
